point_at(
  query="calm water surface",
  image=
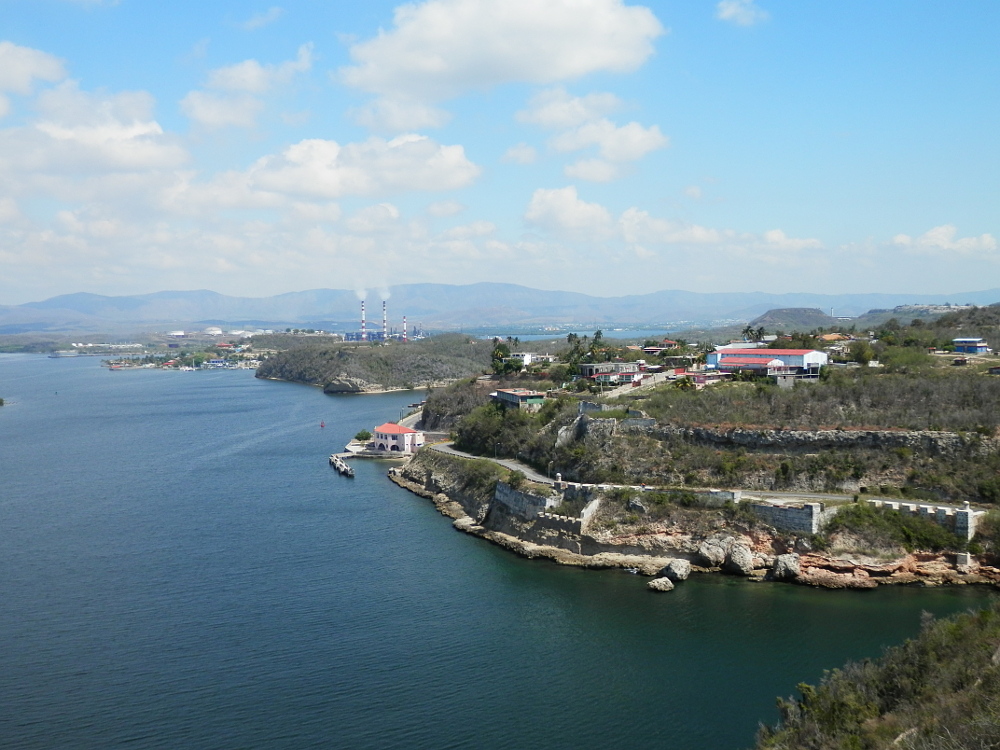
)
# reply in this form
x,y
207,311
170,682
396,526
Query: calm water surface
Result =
x,y
179,567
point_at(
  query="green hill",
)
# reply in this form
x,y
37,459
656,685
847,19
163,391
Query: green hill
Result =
x,y
394,365
794,319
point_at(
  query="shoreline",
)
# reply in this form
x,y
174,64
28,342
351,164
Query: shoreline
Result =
x,y
810,568
436,384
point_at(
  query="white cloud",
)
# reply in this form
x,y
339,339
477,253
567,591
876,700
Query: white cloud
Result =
x,y
777,240
325,168
9,212
638,226
388,115
693,191
441,48
625,143
941,240
252,77
4,106
520,153
90,133
215,111
445,208
320,212
592,170
377,218
238,108
556,109
260,20
469,231
563,212
21,66
740,12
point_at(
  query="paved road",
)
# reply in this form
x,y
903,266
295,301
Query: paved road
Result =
x,y
534,476
507,463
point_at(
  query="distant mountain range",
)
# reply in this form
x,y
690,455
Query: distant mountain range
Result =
x,y
437,307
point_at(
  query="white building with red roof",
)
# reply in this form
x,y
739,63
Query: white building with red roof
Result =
x,y
805,361
395,437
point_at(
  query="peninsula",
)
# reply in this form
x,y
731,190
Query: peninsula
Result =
x,y
844,476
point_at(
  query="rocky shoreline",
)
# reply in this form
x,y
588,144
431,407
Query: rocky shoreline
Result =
x,y
668,553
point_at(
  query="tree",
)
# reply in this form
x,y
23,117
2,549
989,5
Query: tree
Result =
x,y
363,437
516,479
748,332
759,334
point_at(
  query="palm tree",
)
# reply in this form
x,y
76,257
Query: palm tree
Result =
x,y
748,332
760,333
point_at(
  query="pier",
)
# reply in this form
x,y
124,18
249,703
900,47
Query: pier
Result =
x,y
341,465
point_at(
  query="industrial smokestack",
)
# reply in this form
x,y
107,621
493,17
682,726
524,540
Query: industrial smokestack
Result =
x,y
385,324
364,333
404,329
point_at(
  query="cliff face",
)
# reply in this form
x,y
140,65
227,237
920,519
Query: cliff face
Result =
x,y
929,463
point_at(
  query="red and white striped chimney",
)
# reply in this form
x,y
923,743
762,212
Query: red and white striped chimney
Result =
x,y
385,324
364,332
404,329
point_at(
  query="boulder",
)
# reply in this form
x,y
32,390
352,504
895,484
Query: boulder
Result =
x,y
711,553
763,561
786,567
635,505
661,584
739,560
676,570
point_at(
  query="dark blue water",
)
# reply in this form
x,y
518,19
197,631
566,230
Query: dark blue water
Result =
x,y
179,568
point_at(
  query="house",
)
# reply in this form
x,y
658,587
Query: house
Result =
x,y
970,346
831,337
801,362
592,369
519,398
395,437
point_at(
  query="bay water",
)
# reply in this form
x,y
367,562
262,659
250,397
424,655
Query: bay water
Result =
x,y
180,568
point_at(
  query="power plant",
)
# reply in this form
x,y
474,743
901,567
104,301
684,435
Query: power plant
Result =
x,y
386,334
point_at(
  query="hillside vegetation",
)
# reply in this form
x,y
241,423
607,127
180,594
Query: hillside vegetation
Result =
x,y
393,365
933,400
940,691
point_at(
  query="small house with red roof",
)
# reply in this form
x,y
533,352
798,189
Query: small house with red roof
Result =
x,y
395,437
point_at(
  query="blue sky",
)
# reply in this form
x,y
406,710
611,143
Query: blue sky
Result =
x,y
589,145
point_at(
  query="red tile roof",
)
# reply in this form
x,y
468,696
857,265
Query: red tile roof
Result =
x,y
765,352
394,429
745,361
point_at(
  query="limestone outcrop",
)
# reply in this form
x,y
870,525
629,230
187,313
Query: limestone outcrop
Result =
x,y
712,553
786,567
739,560
344,384
661,584
676,570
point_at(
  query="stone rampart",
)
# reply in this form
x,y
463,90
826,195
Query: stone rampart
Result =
x,y
522,504
960,521
807,518
563,524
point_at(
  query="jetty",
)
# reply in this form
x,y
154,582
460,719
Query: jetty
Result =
x,y
341,465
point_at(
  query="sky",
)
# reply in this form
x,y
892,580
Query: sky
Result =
x,y
598,146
